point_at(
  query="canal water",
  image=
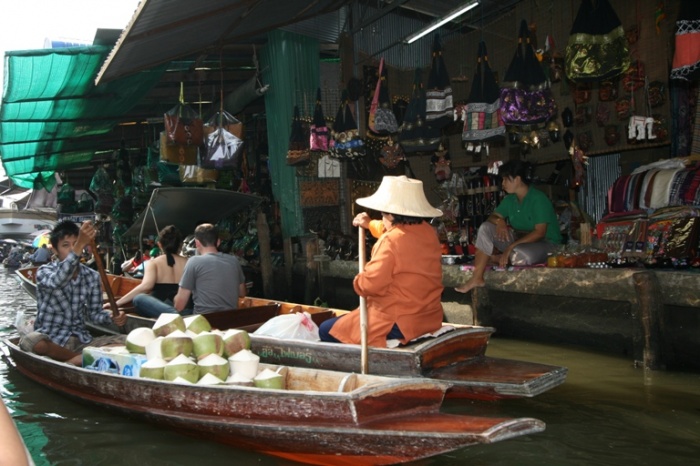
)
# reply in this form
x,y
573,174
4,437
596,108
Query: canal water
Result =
x,y
607,413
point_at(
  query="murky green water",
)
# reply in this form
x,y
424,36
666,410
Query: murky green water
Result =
x,y
607,413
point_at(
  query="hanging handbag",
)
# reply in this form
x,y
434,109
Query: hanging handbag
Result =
x,y
381,118
183,125
298,144
319,135
597,47
346,143
438,95
528,99
482,114
415,134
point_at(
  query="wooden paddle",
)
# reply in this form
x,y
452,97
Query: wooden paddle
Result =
x,y
105,279
364,363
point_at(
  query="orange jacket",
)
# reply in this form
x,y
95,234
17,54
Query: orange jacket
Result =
x,y
403,285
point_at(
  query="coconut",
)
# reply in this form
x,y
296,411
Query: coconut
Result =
x,y
190,333
207,343
245,363
167,323
197,323
153,369
234,341
238,379
210,379
174,344
182,380
138,339
269,379
214,364
181,366
153,349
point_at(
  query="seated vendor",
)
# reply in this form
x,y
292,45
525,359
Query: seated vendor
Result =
x,y
66,292
402,282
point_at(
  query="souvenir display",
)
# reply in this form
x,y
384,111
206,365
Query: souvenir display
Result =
x,y
439,105
416,134
481,114
319,137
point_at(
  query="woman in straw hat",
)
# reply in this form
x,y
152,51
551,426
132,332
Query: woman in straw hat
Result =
x,y
402,282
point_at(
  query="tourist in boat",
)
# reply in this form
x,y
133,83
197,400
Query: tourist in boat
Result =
x,y
213,280
41,256
402,281
522,230
161,276
66,292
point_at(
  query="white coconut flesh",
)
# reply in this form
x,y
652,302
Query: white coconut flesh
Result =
x,y
138,339
210,379
168,323
215,365
153,349
197,323
207,343
238,379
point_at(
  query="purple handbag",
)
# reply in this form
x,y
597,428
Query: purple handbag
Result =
x,y
528,99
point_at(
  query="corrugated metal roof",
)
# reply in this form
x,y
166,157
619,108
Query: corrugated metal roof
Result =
x,y
163,30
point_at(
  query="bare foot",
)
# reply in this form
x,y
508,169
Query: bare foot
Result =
x,y
470,285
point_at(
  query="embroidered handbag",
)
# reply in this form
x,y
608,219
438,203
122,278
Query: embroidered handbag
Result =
x,y
439,105
481,114
298,151
528,99
597,47
346,143
415,134
381,118
319,136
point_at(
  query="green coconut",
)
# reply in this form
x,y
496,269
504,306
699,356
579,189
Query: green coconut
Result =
x,y
234,341
153,369
168,323
269,379
215,365
138,339
207,343
197,323
210,379
183,367
153,350
239,380
174,344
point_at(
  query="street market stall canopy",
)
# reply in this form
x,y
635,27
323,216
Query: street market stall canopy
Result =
x,y
52,113
187,207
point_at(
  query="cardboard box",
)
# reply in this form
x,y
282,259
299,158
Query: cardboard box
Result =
x,y
114,360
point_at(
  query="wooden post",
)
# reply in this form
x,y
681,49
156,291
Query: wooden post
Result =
x,y
265,254
649,316
288,261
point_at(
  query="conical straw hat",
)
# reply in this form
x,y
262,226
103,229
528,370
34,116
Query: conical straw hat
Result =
x,y
400,195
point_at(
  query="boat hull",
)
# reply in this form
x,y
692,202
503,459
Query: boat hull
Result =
x,y
385,421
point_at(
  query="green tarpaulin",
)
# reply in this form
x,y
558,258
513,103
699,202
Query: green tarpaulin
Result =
x,y
51,107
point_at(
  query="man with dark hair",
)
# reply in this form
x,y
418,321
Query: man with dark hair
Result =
x,y
66,291
213,279
41,256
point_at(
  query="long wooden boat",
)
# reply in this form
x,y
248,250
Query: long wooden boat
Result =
x,y
458,356
323,417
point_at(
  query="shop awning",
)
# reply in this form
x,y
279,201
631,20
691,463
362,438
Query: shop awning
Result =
x,y
52,111
164,30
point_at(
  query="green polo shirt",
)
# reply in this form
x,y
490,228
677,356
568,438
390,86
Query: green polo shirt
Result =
x,y
536,208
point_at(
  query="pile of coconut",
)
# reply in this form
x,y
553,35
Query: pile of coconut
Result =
x,y
187,350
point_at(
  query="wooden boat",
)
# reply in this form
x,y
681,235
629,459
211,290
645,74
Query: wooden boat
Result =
x,y
323,417
457,356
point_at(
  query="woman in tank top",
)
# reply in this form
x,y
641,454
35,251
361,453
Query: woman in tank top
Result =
x,y
162,274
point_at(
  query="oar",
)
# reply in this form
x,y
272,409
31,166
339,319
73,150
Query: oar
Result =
x,y
105,279
363,303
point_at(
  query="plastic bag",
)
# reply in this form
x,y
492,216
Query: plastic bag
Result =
x,y
297,326
25,324
223,149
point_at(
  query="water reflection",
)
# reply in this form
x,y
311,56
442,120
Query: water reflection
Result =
x,y
607,413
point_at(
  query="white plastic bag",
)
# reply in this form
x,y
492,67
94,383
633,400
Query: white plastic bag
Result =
x,y
25,324
297,326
